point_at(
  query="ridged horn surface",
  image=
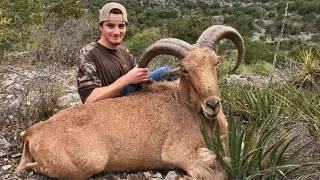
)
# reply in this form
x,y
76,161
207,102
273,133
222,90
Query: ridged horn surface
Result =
x,y
215,33
168,46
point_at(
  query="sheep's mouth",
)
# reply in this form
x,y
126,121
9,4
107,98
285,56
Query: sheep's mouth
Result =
x,y
211,109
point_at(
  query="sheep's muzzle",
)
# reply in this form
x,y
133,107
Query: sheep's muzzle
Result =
x,y
211,108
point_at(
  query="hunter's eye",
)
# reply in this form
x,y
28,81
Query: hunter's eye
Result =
x,y
121,26
110,25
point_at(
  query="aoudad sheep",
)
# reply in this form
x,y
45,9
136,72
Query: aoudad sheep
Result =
x,y
156,129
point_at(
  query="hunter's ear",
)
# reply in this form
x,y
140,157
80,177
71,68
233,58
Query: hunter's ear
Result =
x,y
99,25
173,73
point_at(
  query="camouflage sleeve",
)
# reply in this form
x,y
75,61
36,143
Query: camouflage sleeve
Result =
x,y
87,78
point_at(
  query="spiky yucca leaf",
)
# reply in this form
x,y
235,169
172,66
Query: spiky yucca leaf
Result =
x,y
307,74
251,164
254,102
303,104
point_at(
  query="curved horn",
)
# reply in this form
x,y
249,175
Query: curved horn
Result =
x,y
169,46
215,33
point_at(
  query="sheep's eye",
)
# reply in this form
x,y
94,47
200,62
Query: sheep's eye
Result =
x,y
185,71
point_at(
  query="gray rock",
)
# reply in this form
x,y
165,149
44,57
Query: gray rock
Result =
x,y
264,80
171,175
33,96
147,174
7,176
234,76
7,83
18,86
71,89
69,99
243,80
2,154
13,76
157,176
226,79
4,143
16,155
10,96
14,104
7,122
6,167
251,78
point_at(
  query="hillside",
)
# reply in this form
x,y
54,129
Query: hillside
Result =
x,y
249,17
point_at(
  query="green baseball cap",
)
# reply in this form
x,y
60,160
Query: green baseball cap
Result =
x,y
105,12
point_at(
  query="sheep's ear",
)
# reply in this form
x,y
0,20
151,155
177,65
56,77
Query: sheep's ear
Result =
x,y
220,59
173,73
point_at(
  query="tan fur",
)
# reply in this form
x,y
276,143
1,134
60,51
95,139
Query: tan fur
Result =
x,y
148,130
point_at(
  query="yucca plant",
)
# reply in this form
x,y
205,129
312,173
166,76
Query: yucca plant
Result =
x,y
251,152
257,148
303,105
307,72
254,102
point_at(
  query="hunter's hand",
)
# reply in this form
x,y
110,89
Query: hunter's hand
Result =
x,y
137,75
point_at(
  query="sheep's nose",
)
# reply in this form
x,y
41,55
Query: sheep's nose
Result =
x,y
213,105
211,108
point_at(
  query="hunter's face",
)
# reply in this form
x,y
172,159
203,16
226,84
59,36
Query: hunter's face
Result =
x,y
113,32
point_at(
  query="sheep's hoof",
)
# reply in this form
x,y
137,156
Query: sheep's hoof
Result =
x,y
22,133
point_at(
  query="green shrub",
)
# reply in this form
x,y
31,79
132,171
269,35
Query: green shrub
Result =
x,y
16,18
309,17
131,31
271,14
257,51
227,65
189,27
42,105
66,9
140,41
260,68
61,42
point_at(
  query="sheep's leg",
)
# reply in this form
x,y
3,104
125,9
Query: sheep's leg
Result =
x,y
93,158
34,166
193,166
198,165
209,158
26,158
